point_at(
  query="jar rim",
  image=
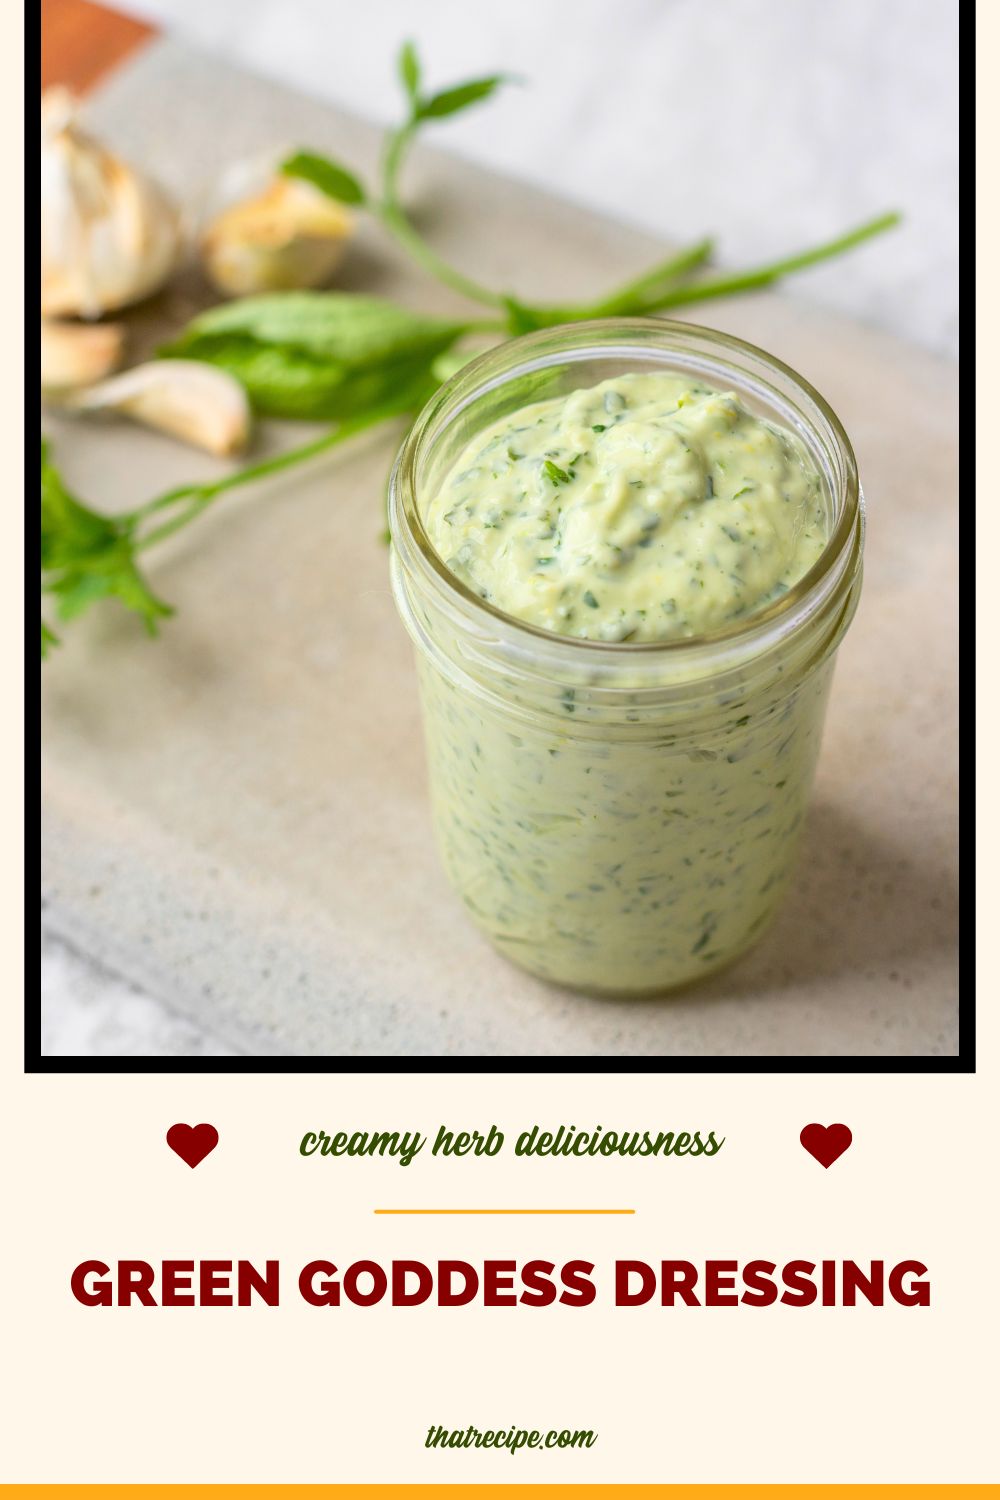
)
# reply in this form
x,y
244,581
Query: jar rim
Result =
x,y
493,368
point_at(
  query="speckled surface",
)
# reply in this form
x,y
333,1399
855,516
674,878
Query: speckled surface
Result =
x,y
234,816
88,1011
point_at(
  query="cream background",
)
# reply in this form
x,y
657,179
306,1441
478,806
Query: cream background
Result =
x,y
826,1394
308,1394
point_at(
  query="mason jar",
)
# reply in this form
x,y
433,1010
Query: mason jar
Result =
x,y
621,817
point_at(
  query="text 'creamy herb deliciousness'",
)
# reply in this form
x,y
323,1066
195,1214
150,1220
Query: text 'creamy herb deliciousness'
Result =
x,y
647,508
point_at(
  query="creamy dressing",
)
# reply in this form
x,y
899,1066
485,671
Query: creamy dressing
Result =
x,y
647,508
630,855
616,865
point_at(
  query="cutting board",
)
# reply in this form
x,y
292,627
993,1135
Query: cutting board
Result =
x,y
235,815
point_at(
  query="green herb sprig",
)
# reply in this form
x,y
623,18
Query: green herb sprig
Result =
x,y
320,356
88,556
350,359
668,283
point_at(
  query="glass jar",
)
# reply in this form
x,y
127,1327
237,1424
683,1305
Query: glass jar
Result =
x,y
621,817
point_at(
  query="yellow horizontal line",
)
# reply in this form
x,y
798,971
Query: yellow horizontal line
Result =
x,y
504,1210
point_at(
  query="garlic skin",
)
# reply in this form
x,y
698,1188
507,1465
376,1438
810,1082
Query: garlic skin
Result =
x,y
195,402
284,235
110,236
75,354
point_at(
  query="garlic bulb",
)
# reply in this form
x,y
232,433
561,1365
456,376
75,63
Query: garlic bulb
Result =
x,y
273,233
109,235
76,354
195,402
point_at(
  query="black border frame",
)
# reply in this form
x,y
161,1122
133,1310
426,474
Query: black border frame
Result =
x,y
35,1064
963,1063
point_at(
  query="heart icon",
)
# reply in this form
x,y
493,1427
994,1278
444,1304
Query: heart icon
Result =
x,y
826,1142
192,1142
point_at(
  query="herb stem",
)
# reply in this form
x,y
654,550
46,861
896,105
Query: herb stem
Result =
x,y
760,276
624,299
200,496
396,220
664,285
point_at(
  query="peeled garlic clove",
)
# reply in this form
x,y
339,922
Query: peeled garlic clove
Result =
x,y
79,353
110,236
195,402
287,236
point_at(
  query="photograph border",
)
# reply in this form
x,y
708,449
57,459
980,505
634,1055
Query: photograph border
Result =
x,y
963,1062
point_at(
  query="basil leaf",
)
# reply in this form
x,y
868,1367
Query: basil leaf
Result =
x,y
318,355
280,379
283,381
342,326
331,178
409,71
521,318
450,101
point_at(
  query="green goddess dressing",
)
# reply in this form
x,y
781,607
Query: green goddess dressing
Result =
x,y
648,508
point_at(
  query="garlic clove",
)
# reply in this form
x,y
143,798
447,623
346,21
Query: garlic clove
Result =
x,y
76,354
110,236
287,236
192,401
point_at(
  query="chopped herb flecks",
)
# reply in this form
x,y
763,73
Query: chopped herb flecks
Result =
x,y
647,508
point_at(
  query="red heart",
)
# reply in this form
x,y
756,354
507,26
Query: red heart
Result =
x,y
192,1142
826,1142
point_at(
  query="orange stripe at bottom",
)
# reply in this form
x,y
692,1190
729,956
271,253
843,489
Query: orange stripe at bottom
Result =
x,y
498,1491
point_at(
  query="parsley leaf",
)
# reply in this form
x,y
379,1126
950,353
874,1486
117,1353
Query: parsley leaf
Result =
x,y
87,556
450,101
329,176
409,71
